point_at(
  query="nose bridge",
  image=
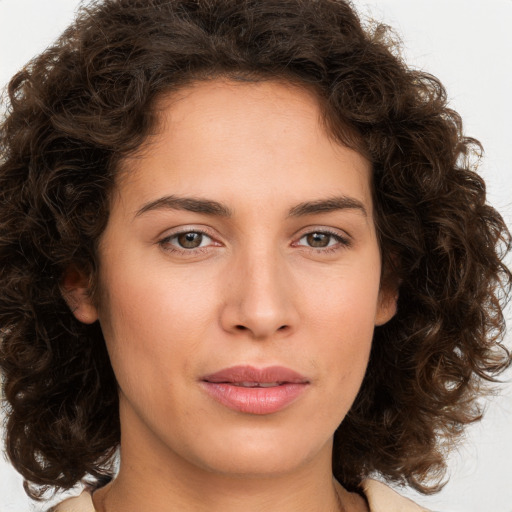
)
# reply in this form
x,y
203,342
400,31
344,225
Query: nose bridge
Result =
x,y
260,295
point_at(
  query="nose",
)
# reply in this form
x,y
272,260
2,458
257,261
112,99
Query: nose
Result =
x,y
259,300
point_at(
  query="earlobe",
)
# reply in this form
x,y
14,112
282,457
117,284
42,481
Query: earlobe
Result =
x,y
387,306
75,289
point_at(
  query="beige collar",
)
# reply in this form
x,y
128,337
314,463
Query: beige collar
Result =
x,y
82,503
381,498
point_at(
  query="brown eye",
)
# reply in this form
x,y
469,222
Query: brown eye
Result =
x,y
318,239
187,243
324,241
190,240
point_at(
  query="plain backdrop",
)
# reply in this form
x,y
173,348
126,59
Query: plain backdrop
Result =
x,y
468,45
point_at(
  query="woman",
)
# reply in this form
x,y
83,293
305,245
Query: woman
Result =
x,y
240,242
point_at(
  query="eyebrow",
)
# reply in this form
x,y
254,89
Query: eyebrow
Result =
x,y
327,205
210,207
189,204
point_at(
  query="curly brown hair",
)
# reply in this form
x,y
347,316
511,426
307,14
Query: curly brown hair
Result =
x,y
77,110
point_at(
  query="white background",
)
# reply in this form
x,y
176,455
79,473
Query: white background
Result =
x,y
468,45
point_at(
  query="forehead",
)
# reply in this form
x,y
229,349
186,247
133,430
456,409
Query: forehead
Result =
x,y
229,139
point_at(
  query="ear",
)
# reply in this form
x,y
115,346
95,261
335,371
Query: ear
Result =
x,y
75,289
387,304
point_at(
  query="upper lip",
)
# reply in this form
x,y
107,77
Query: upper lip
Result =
x,y
239,374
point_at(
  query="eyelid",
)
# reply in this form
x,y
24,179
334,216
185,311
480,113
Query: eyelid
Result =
x,y
339,233
343,240
163,239
192,228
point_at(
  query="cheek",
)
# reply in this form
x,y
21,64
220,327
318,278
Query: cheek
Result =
x,y
151,302
347,300
155,324
342,321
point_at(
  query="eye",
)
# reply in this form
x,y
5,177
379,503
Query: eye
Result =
x,y
186,241
191,240
323,240
318,239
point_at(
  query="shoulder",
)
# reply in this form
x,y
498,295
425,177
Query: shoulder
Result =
x,y
382,498
81,503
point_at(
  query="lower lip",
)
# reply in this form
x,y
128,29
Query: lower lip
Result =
x,y
255,400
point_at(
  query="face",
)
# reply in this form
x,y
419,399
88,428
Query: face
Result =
x,y
240,281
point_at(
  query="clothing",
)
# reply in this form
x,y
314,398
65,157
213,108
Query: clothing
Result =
x,y
381,498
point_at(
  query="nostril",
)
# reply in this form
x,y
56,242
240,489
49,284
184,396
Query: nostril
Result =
x,y
240,327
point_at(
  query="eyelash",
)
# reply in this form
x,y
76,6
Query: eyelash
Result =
x,y
342,242
167,246
165,243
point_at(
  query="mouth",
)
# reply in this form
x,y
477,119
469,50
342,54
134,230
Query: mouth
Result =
x,y
249,376
255,391
256,384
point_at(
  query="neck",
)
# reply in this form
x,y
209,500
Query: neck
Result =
x,y
271,495
132,491
153,477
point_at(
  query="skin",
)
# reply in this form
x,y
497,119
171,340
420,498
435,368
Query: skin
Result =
x,y
254,292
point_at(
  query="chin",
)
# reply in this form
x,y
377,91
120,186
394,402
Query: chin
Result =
x,y
257,456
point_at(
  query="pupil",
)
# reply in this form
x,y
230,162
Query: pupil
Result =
x,y
318,239
190,240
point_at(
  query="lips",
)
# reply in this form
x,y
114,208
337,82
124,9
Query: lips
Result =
x,y
255,391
